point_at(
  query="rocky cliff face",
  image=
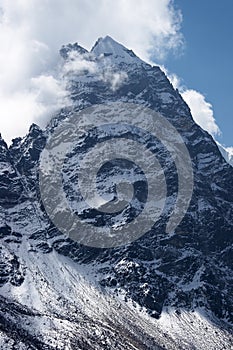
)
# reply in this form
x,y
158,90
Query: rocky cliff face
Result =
x,y
58,294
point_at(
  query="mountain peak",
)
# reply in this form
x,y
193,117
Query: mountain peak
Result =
x,y
2,142
66,49
34,130
108,46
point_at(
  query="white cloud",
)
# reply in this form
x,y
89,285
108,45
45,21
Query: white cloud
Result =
x,y
77,64
114,79
117,79
202,111
174,79
230,151
50,95
32,32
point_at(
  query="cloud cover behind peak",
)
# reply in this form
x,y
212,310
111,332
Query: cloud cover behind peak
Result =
x,y
32,32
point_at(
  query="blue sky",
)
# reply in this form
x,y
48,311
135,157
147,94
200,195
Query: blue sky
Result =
x,y
206,64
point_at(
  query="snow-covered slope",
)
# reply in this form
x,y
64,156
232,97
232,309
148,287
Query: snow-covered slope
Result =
x,y
65,309
114,51
161,291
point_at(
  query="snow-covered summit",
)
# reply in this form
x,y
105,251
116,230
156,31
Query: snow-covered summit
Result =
x,y
103,48
109,47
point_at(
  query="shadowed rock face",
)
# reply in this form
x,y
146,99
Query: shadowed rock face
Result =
x,y
188,270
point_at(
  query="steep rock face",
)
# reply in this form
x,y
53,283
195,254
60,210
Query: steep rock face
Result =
x,y
11,195
10,186
190,269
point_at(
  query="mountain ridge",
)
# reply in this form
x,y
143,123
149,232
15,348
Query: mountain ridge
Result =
x,y
185,272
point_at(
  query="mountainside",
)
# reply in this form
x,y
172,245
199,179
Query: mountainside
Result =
x,y
172,291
